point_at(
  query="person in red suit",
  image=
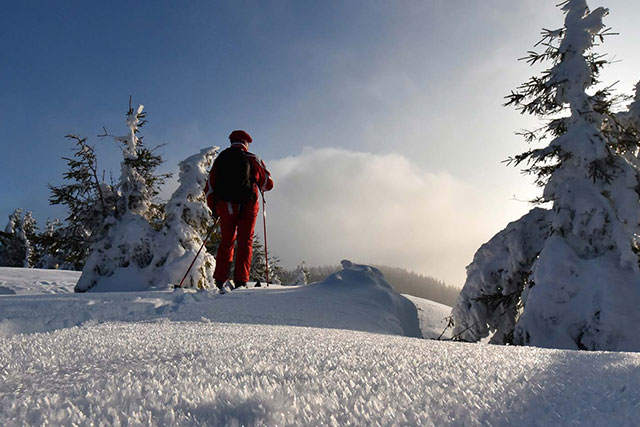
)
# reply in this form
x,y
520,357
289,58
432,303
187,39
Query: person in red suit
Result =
x,y
232,195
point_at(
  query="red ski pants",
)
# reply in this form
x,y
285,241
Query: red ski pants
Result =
x,y
237,223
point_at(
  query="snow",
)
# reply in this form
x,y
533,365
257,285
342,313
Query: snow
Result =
x,y
29,281
186,223
125,252
329,353
584,282
200,373
488,302
569,276
592,315
431,317
133,256
357,298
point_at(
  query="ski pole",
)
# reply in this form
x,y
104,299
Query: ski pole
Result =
x,y
199,250
264,222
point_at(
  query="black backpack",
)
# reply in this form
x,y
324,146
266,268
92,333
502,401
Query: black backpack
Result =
x,y
233,181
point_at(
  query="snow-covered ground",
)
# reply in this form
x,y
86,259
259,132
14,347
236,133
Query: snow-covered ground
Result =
x,y
353,299
332,353
35,281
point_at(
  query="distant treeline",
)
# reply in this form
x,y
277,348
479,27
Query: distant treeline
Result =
x,y
403,281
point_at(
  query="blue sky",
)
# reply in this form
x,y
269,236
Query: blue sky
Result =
x,y
421,80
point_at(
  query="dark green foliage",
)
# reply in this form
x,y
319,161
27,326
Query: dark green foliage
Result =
x,y
48,246
93,204
258,271
539,96
146,163
402,281
89,201
143,163
408,282
17,247
12,247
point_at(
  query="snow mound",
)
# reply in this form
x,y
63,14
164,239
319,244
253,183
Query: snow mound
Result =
x,y
433,317
357,298
599,301
369,283
120,261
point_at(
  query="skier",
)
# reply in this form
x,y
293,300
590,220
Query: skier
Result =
x,y
232,195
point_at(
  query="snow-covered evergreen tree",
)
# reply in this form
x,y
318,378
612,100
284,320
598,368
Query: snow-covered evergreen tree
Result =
x,y
17,247
186,224
50,256
568,276
628,123
126,247
301,275
12,249
258,272
28,232
634,109
138,250
94,204
89,201
139,183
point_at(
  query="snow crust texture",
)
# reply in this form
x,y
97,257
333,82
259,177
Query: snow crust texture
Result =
x,y
329,353
202,373
192,357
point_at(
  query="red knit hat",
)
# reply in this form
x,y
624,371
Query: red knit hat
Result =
x,y
239,136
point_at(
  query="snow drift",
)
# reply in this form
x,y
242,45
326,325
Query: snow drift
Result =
x,y
357,298
369,284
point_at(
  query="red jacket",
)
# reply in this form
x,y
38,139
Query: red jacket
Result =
x,y
259,172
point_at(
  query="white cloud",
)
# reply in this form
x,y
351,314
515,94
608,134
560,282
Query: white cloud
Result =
x,y
329,204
